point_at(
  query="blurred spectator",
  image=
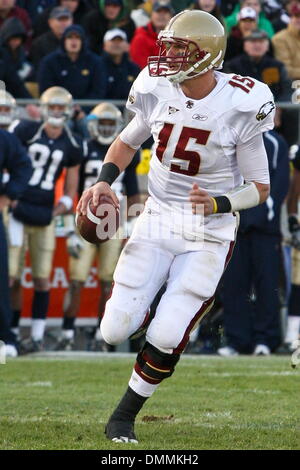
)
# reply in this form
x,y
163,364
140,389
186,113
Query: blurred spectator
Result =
x,y
12,39
271,8
141,14
228,6
247,22
8,9
74,67
282,18
262,22
253,326
179,5
35,7
144,42
78,8
210,6
59,19
255,62
121,71
109,14
13,83
286,44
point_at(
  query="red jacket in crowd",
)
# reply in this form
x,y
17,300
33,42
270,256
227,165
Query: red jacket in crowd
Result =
x,y
143,45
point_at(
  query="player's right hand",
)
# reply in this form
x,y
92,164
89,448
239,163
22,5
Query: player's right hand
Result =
x,y
94,192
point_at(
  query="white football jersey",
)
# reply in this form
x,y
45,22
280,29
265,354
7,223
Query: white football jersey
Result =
x,y
195,140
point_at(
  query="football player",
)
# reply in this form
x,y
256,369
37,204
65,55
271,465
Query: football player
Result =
x,y
8,109
209,162
104,124
16,163
293,320
51,147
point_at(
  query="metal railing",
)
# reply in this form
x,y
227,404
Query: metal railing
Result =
x,y
122,103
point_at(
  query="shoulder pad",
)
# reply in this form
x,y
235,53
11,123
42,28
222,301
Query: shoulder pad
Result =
x,y
247,93
251,106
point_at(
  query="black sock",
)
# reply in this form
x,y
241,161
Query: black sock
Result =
x,y
68,323
40,304
129,406
16,318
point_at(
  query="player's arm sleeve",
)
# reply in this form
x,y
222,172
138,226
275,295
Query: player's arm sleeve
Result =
x,y
140,102
252,160
135,133
18,165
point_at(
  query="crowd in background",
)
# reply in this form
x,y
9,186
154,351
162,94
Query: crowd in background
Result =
x,y
95,49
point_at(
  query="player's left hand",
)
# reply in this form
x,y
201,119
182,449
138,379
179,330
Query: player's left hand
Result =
x,y
201,201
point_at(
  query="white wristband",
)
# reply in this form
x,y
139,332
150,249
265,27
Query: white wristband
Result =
x,y
67,201
243,197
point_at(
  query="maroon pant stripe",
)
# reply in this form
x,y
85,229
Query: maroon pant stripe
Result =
x,y
202,310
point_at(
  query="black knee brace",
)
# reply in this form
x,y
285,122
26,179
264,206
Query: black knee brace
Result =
x,y
153,365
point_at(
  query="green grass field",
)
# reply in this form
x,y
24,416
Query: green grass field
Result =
x,y
209,403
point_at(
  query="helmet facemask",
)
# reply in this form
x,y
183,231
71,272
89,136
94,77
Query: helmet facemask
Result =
x,y
192,43
7,108
104,123
55,117
183,66
56,106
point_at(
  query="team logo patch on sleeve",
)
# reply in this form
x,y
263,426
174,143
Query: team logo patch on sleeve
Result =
x,y
131,99
264,110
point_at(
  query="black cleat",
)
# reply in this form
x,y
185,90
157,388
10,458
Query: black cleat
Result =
x,y
28,346
65,344
121,431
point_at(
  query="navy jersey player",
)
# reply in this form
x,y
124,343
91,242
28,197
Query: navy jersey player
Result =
x,y
293,320
104,124
51,147
15,163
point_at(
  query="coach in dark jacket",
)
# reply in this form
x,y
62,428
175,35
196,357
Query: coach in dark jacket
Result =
x,y
59,20
15,161
73,67
121,71
255,264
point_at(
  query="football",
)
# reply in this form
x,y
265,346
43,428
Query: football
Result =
x,y
100,223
